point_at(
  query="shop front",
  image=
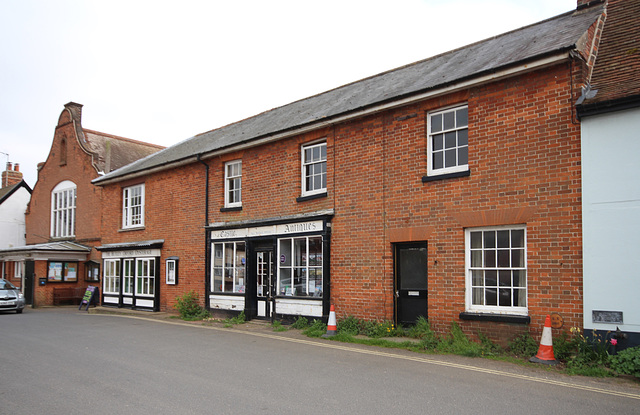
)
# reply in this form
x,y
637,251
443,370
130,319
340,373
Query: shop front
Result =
x,y
272,269
130,276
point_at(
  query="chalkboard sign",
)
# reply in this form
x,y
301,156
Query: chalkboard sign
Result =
x,y
89,297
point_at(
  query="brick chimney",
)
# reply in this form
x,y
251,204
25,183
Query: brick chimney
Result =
x,y
12,175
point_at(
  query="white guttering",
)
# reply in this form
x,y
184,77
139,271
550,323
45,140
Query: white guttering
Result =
x,y
505,73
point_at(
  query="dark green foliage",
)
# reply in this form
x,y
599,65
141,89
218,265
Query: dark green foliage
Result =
x,y
627,362
189,308
524,346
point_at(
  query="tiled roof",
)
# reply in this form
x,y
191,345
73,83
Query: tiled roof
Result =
x,y
559,34
114,152
616,73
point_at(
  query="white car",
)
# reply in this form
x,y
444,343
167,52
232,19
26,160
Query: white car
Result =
x,y
10,297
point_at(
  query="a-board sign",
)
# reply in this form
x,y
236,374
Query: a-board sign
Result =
x,y
89,297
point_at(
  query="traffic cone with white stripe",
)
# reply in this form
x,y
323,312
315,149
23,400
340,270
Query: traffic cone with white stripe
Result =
x,y
545,351
331,325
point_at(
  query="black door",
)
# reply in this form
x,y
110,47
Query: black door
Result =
x,y
410,282
29,277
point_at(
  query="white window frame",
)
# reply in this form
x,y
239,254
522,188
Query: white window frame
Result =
x,y
233,184
111,276
63,210
492,264
304,268
235,271
313,163
145,281
458,167
128,276
133,214
18,270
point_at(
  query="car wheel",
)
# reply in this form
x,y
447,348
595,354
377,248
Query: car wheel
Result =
x,y
19,311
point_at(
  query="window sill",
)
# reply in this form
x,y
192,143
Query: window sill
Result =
x,y
311,197
465,173
231,209
499,318
136,228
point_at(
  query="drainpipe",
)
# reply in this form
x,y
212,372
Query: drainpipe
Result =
x,y
206,234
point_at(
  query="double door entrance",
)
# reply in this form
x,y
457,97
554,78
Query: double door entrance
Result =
x,y
266,282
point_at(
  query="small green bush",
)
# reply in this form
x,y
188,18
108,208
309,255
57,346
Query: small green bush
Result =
x,y
627,361
523,346
239,319
301,323
349,325
189,308
316,329
277,326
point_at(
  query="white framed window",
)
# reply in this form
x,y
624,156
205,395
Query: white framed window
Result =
x,y
448,141
171,271
63,210
111,277
133,206
145,276
228,267
18,270
496,269
233,184
314,169
128,277
300,266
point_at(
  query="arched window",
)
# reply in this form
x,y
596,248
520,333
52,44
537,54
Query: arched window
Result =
x,y
63,210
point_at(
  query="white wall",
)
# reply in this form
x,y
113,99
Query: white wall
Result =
x,y
611,217
12,223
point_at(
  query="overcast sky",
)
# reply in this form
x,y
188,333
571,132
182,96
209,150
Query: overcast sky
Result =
x,y
163,71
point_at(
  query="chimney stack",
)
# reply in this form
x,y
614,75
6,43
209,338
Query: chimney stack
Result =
x,y
11,175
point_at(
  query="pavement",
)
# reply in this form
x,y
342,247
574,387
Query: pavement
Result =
x,y
627,386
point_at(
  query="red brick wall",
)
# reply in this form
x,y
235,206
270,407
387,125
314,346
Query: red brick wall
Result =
x,y
75,166
525,168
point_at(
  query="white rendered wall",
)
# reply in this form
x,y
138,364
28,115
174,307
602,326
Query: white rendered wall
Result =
x,y
611,217
12,227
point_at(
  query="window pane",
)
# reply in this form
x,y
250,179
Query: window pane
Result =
x,y
503,239
491,296
517,238
315,251
476,259
478,296
463,156
300,246
462,117
285,252
285,281
505,297
490,259
449,120
450,158
517,258
438,160
489,239
503,258
505,278
436,123
438,142
476,240
477,278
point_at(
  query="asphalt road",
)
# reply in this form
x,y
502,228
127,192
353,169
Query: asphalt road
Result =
x,y
65,361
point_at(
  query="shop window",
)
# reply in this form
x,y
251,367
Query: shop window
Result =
x,y
145,276
300,267
111,277
62,271
228,266
92,271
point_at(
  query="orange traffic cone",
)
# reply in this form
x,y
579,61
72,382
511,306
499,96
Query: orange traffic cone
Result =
x,y
331,325
545,351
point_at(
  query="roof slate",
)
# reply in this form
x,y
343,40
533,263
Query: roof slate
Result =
x,y
114,152
561,33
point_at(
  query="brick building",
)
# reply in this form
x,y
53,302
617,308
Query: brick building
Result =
x,y
63,218
448,188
